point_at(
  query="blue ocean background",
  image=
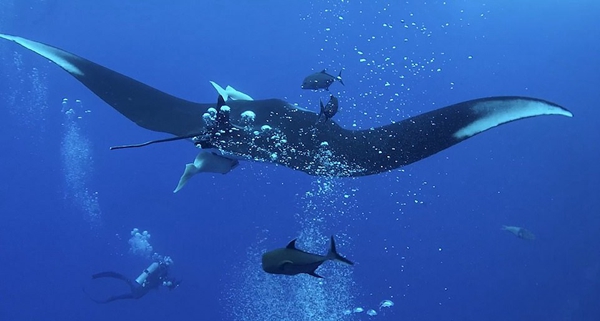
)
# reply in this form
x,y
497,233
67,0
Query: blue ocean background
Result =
x,y
427,237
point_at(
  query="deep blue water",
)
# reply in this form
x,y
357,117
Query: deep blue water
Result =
x,y
426,236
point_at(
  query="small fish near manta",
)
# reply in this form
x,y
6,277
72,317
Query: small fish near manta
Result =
x,y
329,110
320,80
520,232
291,261
278,133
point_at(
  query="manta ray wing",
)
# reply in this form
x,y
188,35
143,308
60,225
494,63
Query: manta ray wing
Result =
x,y
329,150
405,142
146,106
287,135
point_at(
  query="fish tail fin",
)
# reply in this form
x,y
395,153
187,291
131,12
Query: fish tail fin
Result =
x,y
339,78
333,254
313,273
322,117
504,228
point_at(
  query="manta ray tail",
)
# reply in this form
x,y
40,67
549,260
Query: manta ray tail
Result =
x,y
334,255
165,140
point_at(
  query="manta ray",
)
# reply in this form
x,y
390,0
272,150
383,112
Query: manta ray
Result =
x,y
278,132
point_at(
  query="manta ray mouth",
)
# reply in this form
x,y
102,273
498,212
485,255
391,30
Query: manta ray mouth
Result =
x,y
284,134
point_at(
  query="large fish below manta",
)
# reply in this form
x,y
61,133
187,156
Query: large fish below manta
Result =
x,y
292,261
284,134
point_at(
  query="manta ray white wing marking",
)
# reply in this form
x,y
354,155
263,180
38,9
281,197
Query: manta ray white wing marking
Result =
x,y
493,113
59,57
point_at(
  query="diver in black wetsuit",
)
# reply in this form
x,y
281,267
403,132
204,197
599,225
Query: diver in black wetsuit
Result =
x,y
152,277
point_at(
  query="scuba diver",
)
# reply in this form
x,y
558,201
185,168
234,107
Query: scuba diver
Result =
x,y
152,277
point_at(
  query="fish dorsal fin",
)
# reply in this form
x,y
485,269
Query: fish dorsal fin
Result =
x,y
292,245
324,71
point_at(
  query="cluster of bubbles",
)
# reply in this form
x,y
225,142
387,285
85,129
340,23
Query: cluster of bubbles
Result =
x,y
27,95
323,299
276,136
394,54
165,259
139,244
328,190
391,52
248,117
255,295
210,116
273,137
267,135
392,49
370,312
78,162
256,138
259,296
330,165
6,12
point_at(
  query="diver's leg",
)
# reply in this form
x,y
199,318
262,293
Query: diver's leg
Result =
x,y
115,298
109,274
114,275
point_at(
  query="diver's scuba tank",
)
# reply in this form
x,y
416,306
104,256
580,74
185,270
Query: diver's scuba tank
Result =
x,y
149,270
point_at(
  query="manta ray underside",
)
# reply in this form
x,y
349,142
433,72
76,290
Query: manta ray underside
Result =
x,y
281,133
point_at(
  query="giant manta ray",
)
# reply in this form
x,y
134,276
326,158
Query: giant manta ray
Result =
x,y
281,133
